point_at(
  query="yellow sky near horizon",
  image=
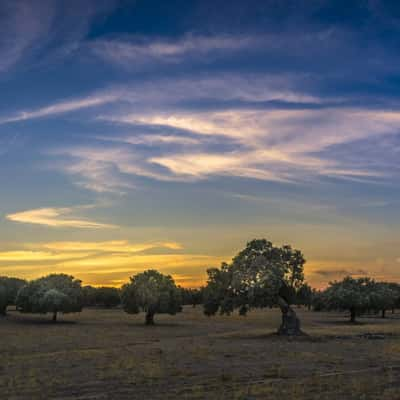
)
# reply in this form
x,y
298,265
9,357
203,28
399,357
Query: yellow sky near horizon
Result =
x,y
111,263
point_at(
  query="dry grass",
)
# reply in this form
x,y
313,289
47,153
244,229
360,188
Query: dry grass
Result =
x,y
106,354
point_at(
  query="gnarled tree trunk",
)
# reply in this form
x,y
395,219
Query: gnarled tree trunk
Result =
x,y
290,325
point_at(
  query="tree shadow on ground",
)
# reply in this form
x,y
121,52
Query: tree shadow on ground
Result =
x,y
340,322
141,324
39,320
270,337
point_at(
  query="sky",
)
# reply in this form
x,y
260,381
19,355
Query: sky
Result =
x,y
166,134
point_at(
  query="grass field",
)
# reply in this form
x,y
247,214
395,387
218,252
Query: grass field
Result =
x,y
106,354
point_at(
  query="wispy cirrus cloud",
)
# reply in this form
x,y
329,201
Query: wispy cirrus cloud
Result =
x,y
61,107
114,246
272,145
51,27
37,256
133,51
56,218
21,24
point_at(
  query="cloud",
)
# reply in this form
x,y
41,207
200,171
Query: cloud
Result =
x,y
290,146
60,108
21,24
328,273
44,31
115,246
54,217
109,262
137,51
35,256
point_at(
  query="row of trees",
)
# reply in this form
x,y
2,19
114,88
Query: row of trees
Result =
x,y
261,275
101,296
358,296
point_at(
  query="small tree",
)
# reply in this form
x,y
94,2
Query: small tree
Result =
x,y
9,288
350,294
152,293
261,275
54,293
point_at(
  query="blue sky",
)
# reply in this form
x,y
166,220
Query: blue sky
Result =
x,y
138,134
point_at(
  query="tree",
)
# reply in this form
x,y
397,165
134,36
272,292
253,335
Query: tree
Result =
x,y
261,275
107,297
9,288
51,294
350,294
383,297
153,293
304,295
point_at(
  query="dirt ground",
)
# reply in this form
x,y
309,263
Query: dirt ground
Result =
x,y
107,354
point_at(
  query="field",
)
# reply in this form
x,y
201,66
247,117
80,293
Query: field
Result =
x,y
106,354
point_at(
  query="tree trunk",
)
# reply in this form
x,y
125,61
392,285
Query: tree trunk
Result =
x,y
383,313
54,319
149,318
3,311
290,325
352,315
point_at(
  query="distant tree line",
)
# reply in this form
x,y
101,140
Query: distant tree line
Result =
x,y
261,275
103,296
358,296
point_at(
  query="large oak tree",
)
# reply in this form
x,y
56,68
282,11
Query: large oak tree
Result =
x,y
261,275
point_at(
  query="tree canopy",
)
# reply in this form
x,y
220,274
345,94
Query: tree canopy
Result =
x,y
9,288
51,294
152,293
261,275
354,295
385,296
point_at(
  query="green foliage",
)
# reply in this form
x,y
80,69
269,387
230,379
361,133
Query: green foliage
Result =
x,y
351,294
304,295
261,275
384,296
318,300
53,293
9,288
358,296
153,293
